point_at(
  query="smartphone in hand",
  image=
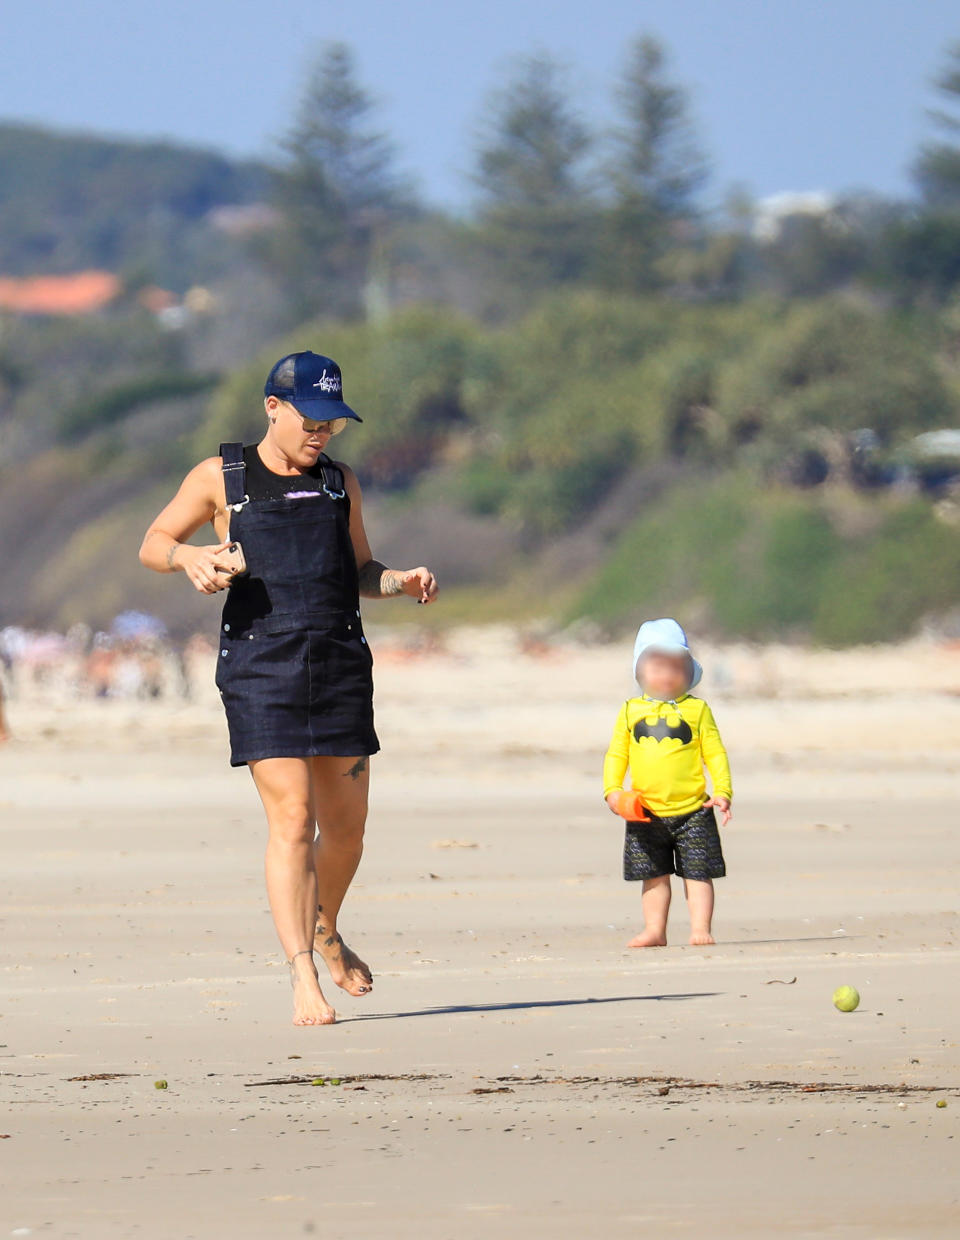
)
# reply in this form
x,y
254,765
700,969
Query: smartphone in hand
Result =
x,y
232,561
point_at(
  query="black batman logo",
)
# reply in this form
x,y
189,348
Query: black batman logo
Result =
x,y
660,730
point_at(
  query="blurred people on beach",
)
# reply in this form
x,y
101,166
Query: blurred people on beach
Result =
x,y
121,663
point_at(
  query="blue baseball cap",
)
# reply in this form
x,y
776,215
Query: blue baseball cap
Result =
x,y
311,383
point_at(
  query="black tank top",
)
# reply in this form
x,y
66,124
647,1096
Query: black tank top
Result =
x,y
262,483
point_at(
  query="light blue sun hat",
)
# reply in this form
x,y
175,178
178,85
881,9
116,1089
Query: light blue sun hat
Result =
x,y
664,636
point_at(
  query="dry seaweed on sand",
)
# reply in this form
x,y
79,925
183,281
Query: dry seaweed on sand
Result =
x,y
347,1080
100,1076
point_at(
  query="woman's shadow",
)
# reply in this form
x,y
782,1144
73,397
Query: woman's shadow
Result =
x,y
454,1009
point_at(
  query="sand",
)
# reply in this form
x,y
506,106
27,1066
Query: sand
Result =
x,y
516,1072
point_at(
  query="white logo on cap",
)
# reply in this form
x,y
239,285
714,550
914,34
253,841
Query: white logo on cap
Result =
x,y
331,384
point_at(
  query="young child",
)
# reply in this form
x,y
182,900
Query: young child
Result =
x,y
666,737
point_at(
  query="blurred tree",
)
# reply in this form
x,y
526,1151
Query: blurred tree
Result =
x,y
536,212
937,168
920,257
812,253
657,157
655,170
338,192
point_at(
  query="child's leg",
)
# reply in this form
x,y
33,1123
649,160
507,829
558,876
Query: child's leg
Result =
x,y
700,902
656,906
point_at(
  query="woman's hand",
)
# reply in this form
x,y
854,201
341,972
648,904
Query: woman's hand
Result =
x,y
201,566
419,583
611,799
723,805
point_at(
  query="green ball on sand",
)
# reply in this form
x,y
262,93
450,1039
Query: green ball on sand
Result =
x,y
159,1084
846,998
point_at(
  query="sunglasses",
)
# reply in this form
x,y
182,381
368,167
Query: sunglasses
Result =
x,y
332,426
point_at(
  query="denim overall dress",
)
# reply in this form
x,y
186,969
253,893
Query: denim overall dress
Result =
x,y
294,669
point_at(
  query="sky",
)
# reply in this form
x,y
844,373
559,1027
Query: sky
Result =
x,y
789,95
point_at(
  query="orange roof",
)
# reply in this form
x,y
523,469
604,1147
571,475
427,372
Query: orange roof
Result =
x,y
82,292
155,299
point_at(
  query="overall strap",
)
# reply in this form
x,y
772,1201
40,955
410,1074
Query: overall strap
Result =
x,y
332,475
234,474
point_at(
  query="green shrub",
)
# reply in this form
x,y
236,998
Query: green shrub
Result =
x,y
885,585
833,367
677,553
403,377
103,409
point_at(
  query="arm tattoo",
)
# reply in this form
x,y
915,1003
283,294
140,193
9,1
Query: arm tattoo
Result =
x,y
378,581
174,548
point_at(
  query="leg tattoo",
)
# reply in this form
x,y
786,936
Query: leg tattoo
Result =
x,y
357,769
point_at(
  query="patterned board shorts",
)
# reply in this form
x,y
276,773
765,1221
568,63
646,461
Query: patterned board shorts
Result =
x,y
687,845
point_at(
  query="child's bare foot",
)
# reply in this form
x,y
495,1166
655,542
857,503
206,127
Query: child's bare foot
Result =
x,y
649,938
346,968
309,1005
701,938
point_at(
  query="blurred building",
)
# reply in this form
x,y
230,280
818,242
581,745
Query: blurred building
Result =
x,y
81,292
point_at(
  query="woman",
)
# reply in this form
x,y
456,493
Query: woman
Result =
x,y
294,668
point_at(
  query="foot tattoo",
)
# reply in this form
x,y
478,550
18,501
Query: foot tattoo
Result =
x,y
346,968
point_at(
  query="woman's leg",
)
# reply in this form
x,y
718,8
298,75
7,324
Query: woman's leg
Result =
x,y
656,907
284,787
700,903
340,787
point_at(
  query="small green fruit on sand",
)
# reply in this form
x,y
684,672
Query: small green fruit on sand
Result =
x,y
159,1084
846,998
318,1080
941,1102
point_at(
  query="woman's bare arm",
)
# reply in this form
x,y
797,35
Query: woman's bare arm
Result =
x,y
376,580
200,499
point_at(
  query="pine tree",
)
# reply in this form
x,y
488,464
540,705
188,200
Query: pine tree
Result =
x,y
657,158
535,206
937,169
653,174
338,189
535,144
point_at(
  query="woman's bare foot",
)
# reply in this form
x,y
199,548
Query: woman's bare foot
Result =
x,y
309,1005
346,968
649,938
701,938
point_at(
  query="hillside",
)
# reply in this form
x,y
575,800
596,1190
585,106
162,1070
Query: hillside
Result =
x,y
587,399
751,467
72,201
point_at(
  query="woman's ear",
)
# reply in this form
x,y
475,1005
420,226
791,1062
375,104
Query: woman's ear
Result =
x,y
270,406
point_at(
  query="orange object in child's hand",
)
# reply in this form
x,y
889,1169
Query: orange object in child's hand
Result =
x,y
629,805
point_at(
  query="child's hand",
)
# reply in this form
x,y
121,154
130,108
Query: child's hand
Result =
x,y
723,805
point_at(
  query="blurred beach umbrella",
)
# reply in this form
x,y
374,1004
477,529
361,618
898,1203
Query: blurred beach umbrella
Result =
x,y
130,626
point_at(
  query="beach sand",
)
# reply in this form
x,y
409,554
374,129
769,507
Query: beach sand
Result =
x,y
516,1072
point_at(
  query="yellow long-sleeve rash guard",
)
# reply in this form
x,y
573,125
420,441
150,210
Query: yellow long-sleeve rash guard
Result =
x,y
666,746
